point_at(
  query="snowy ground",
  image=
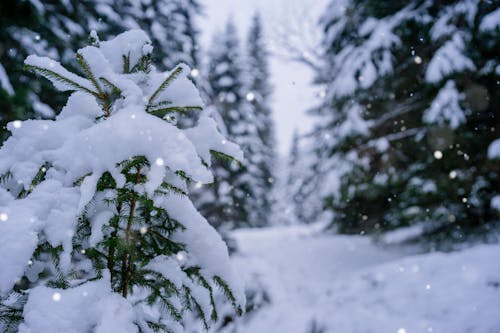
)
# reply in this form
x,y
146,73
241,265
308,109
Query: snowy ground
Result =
x,y
347,285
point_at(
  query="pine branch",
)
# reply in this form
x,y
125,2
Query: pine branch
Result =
x,y
228,293
5,177
173,188
86,69
224,157
144,65
161,112
164,85
108,83
126,63
51,75
197,307
196,272
157,327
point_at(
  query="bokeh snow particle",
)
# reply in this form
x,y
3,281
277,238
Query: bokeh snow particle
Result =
x,y
160,162
181,257
250,96
195,72
56,297
4,217
438,154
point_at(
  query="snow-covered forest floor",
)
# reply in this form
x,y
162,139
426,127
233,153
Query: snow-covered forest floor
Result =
x,y
331,283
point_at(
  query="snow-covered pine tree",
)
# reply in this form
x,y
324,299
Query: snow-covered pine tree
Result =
x,y
233,185
408,114
263,153
97,232
300,184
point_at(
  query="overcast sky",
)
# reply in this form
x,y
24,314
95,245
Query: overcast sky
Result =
x,y
293,92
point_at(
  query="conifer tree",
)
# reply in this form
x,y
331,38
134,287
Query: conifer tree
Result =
x,y
97,232
231,189
258,97
407,116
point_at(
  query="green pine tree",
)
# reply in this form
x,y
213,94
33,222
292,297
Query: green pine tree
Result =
x,y
407,117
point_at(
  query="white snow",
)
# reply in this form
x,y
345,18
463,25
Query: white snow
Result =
x,y
5,82
354,123
207,138
491,21
448,59
445,108
495,202
360,66
494,150
89,307
55,67
346,284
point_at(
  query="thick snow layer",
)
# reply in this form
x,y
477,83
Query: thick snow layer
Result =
x,y
495,202
52,208
345,284
5,82
448,59
203,243
207,138
491,21
91,307
445,108
494,150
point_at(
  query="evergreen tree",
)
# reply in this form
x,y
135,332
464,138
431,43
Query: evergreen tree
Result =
x,y
97,231
407,116
296,180
258,97
227,93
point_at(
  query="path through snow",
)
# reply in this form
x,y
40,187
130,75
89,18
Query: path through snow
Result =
x,y
348,285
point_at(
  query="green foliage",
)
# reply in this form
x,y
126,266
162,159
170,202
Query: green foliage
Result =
x,y
405,185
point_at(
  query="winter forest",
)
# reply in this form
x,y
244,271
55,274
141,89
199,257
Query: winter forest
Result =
x,y
249,166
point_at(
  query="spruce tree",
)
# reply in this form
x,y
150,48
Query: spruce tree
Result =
x,y
232,187
97,232
258,96
407,116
